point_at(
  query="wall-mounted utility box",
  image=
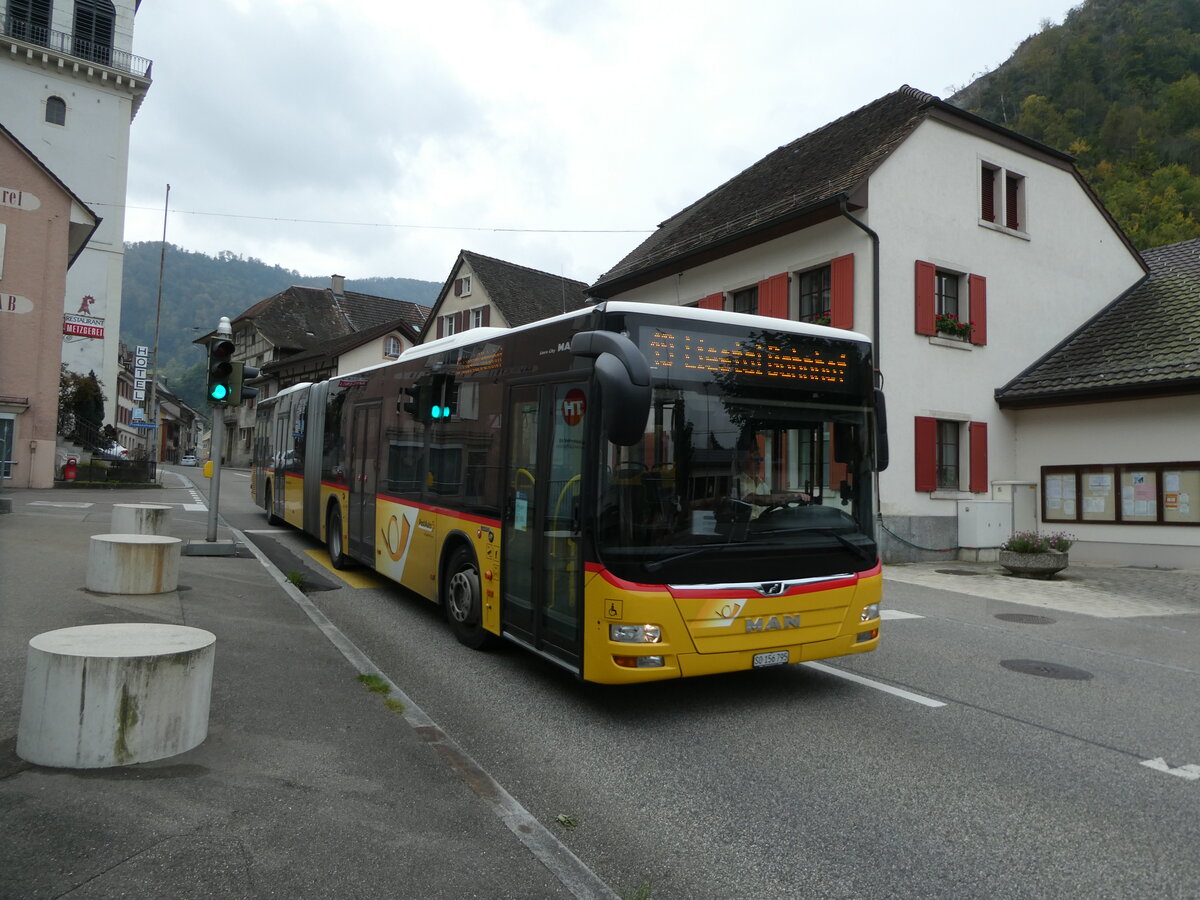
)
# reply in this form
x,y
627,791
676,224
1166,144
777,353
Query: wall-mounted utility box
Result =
x,y
984,523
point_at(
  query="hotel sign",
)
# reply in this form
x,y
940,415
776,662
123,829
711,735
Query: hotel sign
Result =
x,y
12,303
19,199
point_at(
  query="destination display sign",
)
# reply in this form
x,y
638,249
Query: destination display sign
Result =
x,y
805,361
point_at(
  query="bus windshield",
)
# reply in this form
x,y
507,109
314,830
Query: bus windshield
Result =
x,y
726,482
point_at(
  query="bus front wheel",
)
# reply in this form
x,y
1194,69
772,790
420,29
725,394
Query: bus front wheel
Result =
x,y
333,539
462,600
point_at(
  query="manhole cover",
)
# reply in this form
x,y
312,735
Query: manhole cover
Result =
x,y
1025,619
958,572
1045,669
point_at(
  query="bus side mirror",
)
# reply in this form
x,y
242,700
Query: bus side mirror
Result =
x,y
881,432
624,378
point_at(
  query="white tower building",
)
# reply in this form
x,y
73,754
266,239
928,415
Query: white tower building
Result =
x,y
69,89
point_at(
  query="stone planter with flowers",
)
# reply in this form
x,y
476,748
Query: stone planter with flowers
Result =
x,y
1031,554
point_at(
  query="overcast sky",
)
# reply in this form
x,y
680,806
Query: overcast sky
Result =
x,y
373,138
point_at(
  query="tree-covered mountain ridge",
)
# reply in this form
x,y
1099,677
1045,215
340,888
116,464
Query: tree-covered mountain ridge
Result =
x,y
1115,86
198,289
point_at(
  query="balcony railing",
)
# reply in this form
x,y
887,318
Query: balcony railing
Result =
x,y
61,42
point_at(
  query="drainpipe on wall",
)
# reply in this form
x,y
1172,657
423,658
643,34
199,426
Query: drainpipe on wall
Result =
x,y
874,285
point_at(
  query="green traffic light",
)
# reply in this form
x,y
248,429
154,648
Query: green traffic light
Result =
x,y
218,392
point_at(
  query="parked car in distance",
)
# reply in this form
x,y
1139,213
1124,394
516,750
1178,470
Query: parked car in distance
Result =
x,y
115,451
188,460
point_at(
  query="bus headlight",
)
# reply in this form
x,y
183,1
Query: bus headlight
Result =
x,y
635,634
870,611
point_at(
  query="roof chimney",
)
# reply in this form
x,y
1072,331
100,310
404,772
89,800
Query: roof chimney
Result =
x,y
339,284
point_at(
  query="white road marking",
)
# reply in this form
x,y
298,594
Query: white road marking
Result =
x,y
1191,771
194,507
265,531
60,505
897,614
877,685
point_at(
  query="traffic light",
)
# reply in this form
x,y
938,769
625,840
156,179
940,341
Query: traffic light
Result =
x,y
238,392
433,398
445,398
220,372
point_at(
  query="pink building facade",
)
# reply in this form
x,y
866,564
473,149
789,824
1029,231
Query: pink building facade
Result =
x,y
43,228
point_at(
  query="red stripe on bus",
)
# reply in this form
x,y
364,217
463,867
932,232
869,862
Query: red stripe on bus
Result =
x,y
441,510
809,587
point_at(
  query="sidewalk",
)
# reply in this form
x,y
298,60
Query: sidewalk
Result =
x,y
306,786
1109,592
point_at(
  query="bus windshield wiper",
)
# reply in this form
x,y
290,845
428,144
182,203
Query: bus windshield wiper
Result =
x,y
688,554
841,538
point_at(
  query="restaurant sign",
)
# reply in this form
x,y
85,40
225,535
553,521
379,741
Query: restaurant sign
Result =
x,y
83,326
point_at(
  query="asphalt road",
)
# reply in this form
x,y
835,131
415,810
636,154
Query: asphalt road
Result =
x,y
1008,760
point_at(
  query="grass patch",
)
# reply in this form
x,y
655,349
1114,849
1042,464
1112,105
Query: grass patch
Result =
x,y
374,684
297,578
642,893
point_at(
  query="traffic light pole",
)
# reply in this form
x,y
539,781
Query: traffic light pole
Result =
x,y
217,444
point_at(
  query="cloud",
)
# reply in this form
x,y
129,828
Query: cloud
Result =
x,y
509,128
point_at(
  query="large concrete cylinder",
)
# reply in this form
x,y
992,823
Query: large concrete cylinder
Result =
x,y
140,518
133,563
98,696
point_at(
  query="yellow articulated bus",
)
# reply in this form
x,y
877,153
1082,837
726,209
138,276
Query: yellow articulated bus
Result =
x,y
634,492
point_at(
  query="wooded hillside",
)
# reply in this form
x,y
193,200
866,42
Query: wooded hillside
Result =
x,y
1116,86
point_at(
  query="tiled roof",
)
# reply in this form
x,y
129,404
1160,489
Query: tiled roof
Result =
x,y
305,318
525,295
334,348
1145,342
810,171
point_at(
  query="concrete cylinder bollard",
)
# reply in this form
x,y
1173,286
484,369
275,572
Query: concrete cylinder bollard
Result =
x,y
139,518
98,696
133,563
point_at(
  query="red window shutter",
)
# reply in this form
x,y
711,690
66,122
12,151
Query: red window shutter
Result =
x,y
457,287
977,434
926,455
1012,217
462,322
441,326
841,291
773,296
713,301
988,211
977,286
926,285
487,315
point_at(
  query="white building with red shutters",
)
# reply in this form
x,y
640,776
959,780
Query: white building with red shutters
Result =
x,y
964,250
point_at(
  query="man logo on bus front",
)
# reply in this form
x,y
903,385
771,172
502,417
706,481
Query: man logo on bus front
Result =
x,y
770,588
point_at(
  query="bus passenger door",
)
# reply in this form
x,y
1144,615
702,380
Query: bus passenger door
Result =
x,y
364,476
541,574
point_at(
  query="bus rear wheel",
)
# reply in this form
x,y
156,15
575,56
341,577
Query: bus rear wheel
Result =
x,y
462,600
272,519
333,539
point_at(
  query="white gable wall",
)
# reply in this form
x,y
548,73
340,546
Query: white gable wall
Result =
x,y
924,203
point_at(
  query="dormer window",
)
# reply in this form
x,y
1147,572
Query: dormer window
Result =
x,y
462,286
391,347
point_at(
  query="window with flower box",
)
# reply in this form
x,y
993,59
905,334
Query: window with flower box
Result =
x,y
1125,493
940,308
